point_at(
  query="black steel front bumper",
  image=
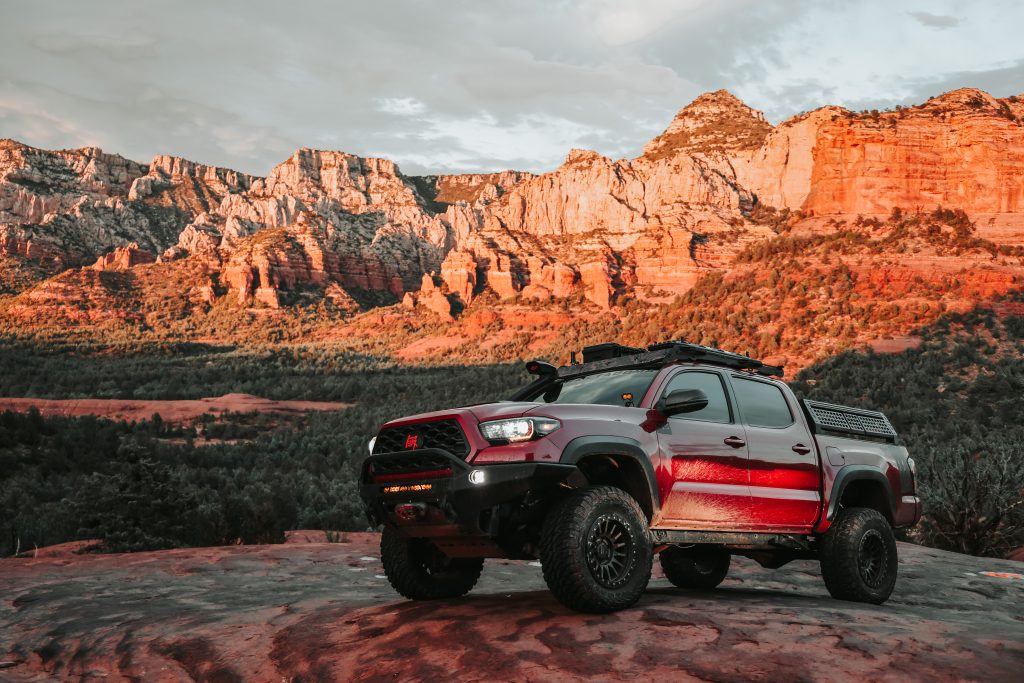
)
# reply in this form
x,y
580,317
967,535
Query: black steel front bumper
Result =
x,y
450,503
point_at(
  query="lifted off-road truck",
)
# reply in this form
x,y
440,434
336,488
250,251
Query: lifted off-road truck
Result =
x,y
683,450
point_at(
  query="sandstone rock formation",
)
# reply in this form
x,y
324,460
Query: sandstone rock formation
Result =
x,y
431,298
472,187
964,149
599,228
123,258
715,121
459,274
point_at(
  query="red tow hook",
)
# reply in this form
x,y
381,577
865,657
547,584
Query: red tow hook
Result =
x,y
408,512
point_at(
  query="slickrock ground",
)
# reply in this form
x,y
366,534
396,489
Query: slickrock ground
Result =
x,y
323,611
170,411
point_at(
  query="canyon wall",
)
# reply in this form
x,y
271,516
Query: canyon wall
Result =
x,y
595,228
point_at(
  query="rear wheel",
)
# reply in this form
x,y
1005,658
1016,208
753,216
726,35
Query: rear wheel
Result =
x,y
703,567
419,571
858,557
595,550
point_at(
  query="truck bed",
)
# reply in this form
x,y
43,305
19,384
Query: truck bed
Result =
x,y
853,440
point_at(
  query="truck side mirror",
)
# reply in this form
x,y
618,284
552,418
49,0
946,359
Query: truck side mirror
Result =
x,y
682,401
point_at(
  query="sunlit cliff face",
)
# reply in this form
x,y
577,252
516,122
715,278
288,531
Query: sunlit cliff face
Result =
x,y
716,195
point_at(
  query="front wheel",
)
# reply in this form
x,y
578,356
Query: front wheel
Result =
x,y
858,557
595,550
418,570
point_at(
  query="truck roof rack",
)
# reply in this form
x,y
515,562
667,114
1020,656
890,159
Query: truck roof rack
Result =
x,y
600,357
707,354
608,350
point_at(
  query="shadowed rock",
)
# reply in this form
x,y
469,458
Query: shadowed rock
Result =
x,y
322,611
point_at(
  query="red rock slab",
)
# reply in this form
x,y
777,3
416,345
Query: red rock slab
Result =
x,y
322,612
69,549
170,411
894,344
430,346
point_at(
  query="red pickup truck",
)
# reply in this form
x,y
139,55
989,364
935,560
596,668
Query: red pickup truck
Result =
x,y
681,450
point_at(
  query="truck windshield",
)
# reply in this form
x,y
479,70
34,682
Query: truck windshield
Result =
x,y
615,388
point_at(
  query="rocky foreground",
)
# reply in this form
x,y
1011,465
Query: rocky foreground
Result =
x,y
313,611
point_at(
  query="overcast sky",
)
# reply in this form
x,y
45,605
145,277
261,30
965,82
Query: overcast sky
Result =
x,y
465,85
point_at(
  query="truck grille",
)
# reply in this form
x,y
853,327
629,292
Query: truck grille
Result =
x,y
445,435
410,466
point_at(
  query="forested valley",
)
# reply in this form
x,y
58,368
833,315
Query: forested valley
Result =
x,y
955,399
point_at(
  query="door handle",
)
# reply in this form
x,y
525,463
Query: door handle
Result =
x,y
735,442
801,449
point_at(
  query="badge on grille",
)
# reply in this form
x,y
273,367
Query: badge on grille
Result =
x,y
412,441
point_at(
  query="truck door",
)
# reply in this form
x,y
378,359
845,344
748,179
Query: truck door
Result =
x,y
784,472
707,453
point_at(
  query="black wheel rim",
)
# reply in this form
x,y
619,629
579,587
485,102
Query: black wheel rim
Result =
x,y
610,551
871,559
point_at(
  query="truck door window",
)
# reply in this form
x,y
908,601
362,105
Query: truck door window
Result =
x,y
761,403
717,409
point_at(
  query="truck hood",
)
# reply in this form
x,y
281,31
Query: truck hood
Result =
x,y
568,412
506,409
477,413
560,411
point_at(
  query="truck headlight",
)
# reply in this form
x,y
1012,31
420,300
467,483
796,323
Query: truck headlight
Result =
x,y
518,429
373,442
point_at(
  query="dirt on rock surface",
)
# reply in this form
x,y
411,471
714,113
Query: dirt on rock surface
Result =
x,y
316,611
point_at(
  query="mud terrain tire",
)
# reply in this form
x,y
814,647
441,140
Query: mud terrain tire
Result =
x,y
419,571
596,551
700,568
858,557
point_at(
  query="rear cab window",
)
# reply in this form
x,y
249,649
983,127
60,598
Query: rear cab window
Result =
x,y
762,404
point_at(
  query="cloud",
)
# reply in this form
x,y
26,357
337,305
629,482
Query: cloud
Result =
x,y
1005,80
29,116
619,23
935,20
473,86
401,106
864,55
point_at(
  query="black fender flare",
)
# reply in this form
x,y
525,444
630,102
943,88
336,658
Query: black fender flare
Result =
x,y
852,473
583,446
